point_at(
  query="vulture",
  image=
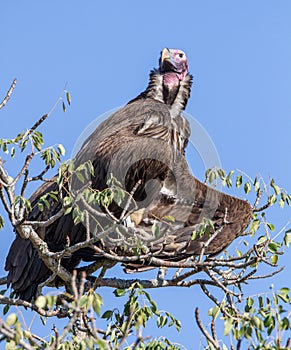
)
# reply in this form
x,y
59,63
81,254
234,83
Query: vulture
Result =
x,y
142,145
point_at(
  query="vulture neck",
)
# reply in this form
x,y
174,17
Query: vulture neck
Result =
x,y
169,89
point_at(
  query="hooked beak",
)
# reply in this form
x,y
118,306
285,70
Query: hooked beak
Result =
x,y
165,54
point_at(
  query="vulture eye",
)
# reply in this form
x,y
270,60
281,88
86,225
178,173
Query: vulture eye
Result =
x,y
181,55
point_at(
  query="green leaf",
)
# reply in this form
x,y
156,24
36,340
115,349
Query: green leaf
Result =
x,y
284,297
6,309
64,106
275,187
68,96
27,334
67,210
11,345
250,302
212,177
285,324
230,174
84,302
12,319
229,183
257,184
261,301
97,303
50,300
41,301
238,181
257,322
284,290
119,292
40,206
162,321
61,149
156,230
12,152
287,238
274,259
1,222
247,187
5,148
102,344
221,173
214,312
272,247
261,240
80,177
169,218
194,235
272,199
68,201
228,325
255,226
269,323
107,314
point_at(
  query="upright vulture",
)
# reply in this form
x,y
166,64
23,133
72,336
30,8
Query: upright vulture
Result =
x,y
143,145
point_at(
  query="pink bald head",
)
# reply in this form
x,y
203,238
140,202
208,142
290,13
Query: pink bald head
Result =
x,y
173,61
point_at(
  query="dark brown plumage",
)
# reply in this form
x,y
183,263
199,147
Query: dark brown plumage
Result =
x,y
144,141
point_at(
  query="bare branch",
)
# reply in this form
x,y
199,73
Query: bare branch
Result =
x,y
3,280
215,300
204,331
46,223
102,274
26,304
267,205
267,275
37,124
258,198
40,175
129,201
9,93
23,170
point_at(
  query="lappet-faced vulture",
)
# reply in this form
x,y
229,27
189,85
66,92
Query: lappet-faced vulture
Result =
x,y
143,146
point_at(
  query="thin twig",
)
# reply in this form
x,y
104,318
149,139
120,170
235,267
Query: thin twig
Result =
x,y
129,200
40,175
266,206
204,331
9,93
3,280
46,223
24,168
267,275
212,237
18,302
102,274
258,198
37,124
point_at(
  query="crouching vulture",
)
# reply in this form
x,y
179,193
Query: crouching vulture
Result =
x,y
143,146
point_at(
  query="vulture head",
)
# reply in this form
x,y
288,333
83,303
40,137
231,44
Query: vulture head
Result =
x,y
173,64
171,82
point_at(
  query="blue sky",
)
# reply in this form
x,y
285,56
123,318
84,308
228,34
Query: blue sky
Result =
x,y
239,53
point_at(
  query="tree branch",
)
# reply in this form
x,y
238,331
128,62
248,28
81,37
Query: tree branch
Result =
x,y
8,95
204,331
